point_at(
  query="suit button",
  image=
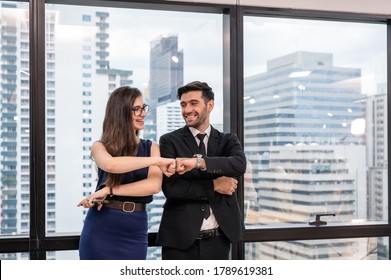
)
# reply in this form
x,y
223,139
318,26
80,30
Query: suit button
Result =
x,y
202,208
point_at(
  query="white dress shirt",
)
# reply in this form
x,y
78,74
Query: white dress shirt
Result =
x,y
211,222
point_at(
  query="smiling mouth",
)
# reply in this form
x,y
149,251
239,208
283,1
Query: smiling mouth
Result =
x,y
190,117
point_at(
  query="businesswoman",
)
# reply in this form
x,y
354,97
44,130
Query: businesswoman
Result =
x,y
129,173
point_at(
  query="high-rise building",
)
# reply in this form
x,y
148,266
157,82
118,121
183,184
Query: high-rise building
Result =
x,y
14,128
377,138
166,75
169,118
299,136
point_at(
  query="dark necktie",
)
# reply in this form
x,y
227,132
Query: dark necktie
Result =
x,y
202,144
203,152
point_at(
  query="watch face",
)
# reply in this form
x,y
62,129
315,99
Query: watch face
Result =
x,y
198,166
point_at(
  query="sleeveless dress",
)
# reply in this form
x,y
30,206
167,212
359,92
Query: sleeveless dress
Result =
x,y
111,234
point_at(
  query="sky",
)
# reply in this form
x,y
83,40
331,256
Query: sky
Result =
x,y
354,45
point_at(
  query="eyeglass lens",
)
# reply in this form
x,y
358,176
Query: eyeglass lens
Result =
x,y
138,110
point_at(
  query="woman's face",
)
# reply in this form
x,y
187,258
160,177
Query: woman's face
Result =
x,y
138,113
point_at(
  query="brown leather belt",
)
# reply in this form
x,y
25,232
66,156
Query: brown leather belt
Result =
x,y
126,206
206,234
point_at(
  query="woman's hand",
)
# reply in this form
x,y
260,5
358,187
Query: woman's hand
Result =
x,y
95,199
167,166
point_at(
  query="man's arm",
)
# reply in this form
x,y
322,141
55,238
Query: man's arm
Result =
x,y
231,164
196,184
191,186
233,161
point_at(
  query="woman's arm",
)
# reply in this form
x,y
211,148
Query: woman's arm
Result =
x,y
119,165
151,185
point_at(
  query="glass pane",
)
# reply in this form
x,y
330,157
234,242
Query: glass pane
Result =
x,y
90,51
154,253
62,255
14,110
375,248
15,256
315,124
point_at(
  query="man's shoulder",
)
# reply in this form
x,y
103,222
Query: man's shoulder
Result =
x,y
173,133
217,133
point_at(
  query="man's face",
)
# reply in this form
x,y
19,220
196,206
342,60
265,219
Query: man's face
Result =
x,y
195,111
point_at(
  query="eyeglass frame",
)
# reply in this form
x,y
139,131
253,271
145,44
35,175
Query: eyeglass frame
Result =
x,y
144,108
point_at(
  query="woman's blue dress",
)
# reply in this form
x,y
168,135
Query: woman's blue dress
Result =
x,y
111,234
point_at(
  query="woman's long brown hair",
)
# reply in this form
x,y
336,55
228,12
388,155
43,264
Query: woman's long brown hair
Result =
x,y
119,136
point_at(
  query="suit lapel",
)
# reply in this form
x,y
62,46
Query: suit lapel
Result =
x,y
189,140
213,142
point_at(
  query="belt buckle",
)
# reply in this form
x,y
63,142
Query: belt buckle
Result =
x,y
207,234
128,211
210,234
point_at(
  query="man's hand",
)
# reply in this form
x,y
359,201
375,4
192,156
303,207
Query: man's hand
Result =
x,y
225,185
184,165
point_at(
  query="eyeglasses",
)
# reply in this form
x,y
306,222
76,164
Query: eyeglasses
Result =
x,y
138,110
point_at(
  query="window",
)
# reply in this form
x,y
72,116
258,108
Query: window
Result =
x,y
14,128
309,124
107,70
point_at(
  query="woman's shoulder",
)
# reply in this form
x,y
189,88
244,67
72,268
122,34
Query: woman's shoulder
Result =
x,y
145,142
145,147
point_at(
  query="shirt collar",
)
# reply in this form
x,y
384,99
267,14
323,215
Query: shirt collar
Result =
x,y
195,131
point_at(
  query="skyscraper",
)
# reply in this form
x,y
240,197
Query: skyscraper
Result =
x,y
377,139
14,120
299,118
166,74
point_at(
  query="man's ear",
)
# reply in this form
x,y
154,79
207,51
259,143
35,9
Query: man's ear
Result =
x,y
210,105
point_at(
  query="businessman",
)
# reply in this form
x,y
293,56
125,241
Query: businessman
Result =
x,y
201,216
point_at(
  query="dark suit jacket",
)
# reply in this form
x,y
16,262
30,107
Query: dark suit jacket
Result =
x,y
186,194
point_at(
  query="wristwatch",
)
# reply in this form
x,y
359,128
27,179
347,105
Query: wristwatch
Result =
x,y
199,161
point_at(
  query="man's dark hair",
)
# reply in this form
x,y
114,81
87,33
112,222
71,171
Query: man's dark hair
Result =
x,y
207,92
